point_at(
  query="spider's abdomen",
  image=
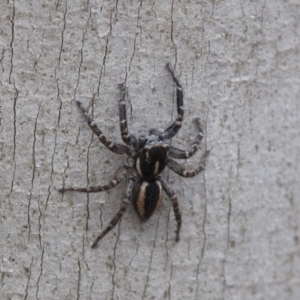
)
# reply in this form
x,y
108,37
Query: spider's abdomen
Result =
x,y
152,159
147,196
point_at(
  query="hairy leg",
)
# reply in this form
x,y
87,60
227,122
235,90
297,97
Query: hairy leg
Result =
x,y
174,128
118,216
181,154
120,174
116,148
180,170
171,194
129,139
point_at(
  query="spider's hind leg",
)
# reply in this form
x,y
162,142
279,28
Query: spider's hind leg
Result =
x,y
118,216
171,194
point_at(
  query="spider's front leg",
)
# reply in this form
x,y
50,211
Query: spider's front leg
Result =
x,y
181,171
116,148
175,205
118,216
181,154
129,139
174,128
120,174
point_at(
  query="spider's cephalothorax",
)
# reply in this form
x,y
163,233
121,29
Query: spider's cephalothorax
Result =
x,y
152,158
149,157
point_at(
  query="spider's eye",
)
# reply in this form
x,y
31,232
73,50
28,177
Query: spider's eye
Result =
x,y
154,142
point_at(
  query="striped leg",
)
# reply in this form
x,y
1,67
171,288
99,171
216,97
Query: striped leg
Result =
x,y
120,174
128,139
175,205
116,148
118,216
180,170
173,129
181,154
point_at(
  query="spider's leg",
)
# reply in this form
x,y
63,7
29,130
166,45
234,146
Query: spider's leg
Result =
x,y
118,216
181,171
173,129
181,154
116,148
128,139
120,174
175,205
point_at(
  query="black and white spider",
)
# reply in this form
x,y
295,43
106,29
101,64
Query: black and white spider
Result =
x,y
149,156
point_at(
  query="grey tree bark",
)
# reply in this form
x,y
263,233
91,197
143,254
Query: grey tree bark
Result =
x,y
238,62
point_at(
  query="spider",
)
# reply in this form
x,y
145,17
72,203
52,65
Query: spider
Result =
x,y
149,155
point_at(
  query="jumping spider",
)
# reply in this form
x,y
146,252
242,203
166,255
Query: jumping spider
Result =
x,y
149,156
